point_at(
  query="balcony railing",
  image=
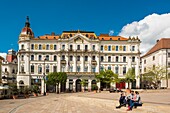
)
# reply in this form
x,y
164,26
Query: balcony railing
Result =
x,y
63,62
94,62
82,73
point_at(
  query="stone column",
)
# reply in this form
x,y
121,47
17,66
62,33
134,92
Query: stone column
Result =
x,y
67,85
42,86
82,63
98,85
74,85
59,63
74,65
89,64
89,85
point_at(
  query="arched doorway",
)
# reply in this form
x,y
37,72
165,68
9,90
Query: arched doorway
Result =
x,y
78,85
93,83
21,86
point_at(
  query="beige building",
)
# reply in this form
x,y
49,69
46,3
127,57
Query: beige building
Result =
x,y
9,68
81,54
158,55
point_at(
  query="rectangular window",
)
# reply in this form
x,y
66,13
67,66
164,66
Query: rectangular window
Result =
x,y
153,57
32,69
93,47
71,58
124,48
117,48
124,59
86,58
133,59
22,69
93,58
39,69
101,47
101,59
86,69
168,54
78,68
78,47
117,59
101,68
109,58
124,70
117,70
47,69
63,47
109,48
86,47
168,64
71,47
133,48
144,61
71,68
54,68
109,68
93,69
55,47
32,46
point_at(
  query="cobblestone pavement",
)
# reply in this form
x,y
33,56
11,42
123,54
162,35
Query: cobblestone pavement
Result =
x,y
88,102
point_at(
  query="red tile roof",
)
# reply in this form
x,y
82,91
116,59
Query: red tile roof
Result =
x,y
107,37
164,43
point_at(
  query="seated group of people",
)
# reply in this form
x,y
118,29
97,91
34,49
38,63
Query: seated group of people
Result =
x,y
131,98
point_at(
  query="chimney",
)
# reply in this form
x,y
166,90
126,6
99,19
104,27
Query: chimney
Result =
x,y
157,41
52,34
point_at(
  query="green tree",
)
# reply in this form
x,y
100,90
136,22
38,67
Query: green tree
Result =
x,y
84,83
130,76
154,75
56,78
107,76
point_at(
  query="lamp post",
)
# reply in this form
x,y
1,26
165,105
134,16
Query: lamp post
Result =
x,y
44,77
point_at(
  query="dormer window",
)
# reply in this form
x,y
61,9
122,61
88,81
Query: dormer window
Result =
x,y
87,35
22,46
110,38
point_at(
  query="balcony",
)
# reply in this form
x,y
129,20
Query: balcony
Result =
x,y
94,62
63,62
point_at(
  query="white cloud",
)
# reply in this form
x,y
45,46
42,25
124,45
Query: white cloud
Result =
x,y
3,55
111,32
149,29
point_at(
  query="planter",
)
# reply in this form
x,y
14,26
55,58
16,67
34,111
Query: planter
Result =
x,y
14,96
35,94
27,96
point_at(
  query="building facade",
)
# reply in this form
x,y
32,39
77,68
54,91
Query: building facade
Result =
x,y
81,54
9,68
158,55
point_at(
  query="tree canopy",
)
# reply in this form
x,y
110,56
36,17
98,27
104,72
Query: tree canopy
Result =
x,y
130,76
107,76
154,75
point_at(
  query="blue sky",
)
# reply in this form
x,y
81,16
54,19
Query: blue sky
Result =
x,y
48,16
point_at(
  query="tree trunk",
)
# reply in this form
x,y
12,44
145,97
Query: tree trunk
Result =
x,y
57,88
129,85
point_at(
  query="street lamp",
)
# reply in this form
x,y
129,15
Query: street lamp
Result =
x,y
44,77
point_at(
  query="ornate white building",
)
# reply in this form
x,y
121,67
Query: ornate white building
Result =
x,y
81,54
9,68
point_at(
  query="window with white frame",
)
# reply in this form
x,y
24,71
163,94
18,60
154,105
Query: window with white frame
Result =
x,y
133,48
78,68
117,70
47,47
39,57
55,47
55,58
109,58
109,48
93,47
93,69
101,58
32,57
32,46
109,67
124,70
86,69
54,68
40,47
117,48
101,47
86,58
117,59
124,48
124,59
133,59
32,68
71,68
39,69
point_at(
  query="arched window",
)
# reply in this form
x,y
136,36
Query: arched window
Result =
x,y
117,59
39,57
32,57
71,58
47,47
109,59
78,58
55,47
22,57
55,58
32,46
124,59
47,57
101,47
86,58
40,47
39,69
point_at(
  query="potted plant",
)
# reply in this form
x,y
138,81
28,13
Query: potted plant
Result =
x,y
26,91
14,90
94,88
35,90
